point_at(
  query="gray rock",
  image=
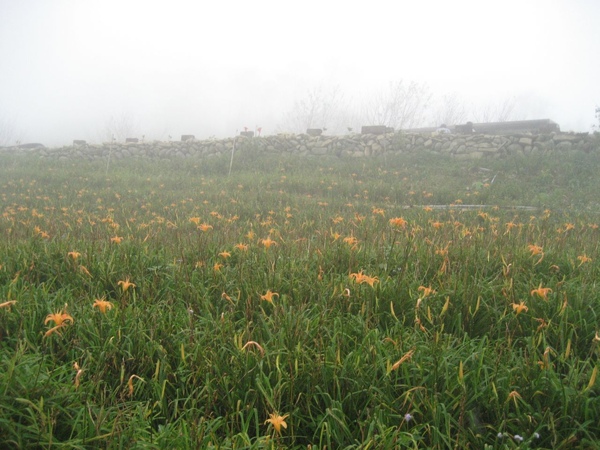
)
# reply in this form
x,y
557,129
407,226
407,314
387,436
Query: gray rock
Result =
x,y
565,138
525,141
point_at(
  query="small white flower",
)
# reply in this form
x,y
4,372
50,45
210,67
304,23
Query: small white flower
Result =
x,y
536,435
518,438
408,417
500,435
191,312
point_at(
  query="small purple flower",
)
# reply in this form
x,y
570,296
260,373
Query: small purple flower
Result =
x,y
408,417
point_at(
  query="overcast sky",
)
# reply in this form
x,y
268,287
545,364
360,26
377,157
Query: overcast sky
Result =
x,y
211,68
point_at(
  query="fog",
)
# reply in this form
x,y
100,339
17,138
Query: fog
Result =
x,y
70,68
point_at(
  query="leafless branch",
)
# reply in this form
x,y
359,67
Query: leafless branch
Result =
x,y
400,106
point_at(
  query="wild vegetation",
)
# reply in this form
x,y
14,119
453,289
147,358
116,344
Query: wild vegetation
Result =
x,y
300,303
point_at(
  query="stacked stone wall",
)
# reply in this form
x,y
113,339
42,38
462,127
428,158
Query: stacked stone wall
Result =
x,y
348,146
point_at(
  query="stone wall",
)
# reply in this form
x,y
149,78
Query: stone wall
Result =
x,y
349,146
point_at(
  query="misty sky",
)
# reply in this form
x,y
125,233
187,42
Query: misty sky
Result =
x,y
211,68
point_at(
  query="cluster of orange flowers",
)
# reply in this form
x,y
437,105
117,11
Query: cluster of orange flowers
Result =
x,y
360,278
61,319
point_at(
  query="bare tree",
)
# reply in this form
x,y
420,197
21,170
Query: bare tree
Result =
x,y
401,105
320,108
119,127
501,111
8,132
449,110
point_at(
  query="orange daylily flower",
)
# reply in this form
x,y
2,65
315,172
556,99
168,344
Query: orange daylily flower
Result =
x,y
126,284
427,291
536,250
351,240
361,278
116,239
205,227
584,259
102,305
520,307
442,251
369,280
541,292
217,267
268,242
269,296
242,247
74,255
398,222
277,421
510,225
225,255
359,218
60,319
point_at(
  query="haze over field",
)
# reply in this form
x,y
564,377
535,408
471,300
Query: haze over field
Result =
x,y
71,69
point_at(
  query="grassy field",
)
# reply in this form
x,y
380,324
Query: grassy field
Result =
x,y
300,303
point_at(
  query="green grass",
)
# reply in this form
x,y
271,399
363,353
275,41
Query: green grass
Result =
x,y
430,351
